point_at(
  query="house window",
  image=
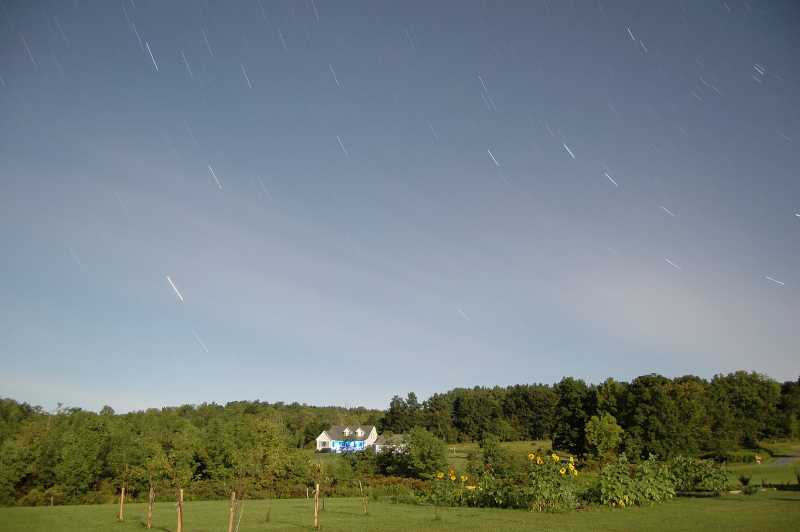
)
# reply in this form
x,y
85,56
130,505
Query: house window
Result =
x,y
346,432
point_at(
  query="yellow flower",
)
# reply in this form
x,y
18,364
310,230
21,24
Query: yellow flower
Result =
x,y
571,459
453,477
463,478
451,472
531,456
571,467
440,475
538,459
576,472
563,470
555,457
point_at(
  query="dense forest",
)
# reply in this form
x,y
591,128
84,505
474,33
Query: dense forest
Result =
x,y
70,455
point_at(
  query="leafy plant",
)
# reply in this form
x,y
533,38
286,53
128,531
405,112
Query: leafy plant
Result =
x,y
622,484
703,475
543,484
744,479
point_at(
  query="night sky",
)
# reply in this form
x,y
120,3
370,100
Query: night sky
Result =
x,y
334,202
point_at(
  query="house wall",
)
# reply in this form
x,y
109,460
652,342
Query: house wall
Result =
x,y
323,442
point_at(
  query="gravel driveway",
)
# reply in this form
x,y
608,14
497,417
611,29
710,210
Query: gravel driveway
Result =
x,y
785,460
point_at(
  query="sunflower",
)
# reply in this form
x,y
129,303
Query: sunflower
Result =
x,y
571,467
563,470
571,459
453,477
463,478
440,475
539,460
555,457
451,472
531,456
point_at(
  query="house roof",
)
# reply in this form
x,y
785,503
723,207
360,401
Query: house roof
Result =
x,y
336,432
393,439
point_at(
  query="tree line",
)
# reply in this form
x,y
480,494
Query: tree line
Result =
x,y
70,455
651,414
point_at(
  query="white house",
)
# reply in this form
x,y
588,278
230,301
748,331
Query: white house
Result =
x,y
347,438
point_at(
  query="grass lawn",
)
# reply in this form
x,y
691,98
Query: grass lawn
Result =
x,y
764,474
773,510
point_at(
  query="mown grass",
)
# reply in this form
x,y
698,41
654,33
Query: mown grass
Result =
x,y
761,474
774,510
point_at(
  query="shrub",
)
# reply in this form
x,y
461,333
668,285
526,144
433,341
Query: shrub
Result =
x,y
622,484
702,475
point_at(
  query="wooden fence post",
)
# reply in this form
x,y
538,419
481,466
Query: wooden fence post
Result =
x,y
121,502
316,507
150,510
233,511
180,511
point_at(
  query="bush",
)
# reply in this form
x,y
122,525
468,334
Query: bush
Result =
x,y
699,475
622,484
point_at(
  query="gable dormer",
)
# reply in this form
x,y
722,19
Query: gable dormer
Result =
x,y
346,431
359,432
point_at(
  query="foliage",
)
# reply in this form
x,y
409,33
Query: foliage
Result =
x,y
604,435
699,475
541,483
424,453
753,399
576,405
402,416
255,447
622,484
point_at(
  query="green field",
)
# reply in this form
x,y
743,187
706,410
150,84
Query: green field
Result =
x,y
771,510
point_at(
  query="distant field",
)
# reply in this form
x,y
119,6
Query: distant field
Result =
x,y
776,510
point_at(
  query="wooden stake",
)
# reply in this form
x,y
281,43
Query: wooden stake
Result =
x,y
316,506
269,508
121,502
363,499
180,511
150,510
233,506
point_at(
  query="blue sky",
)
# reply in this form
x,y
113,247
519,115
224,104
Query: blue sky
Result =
x,y
360,199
